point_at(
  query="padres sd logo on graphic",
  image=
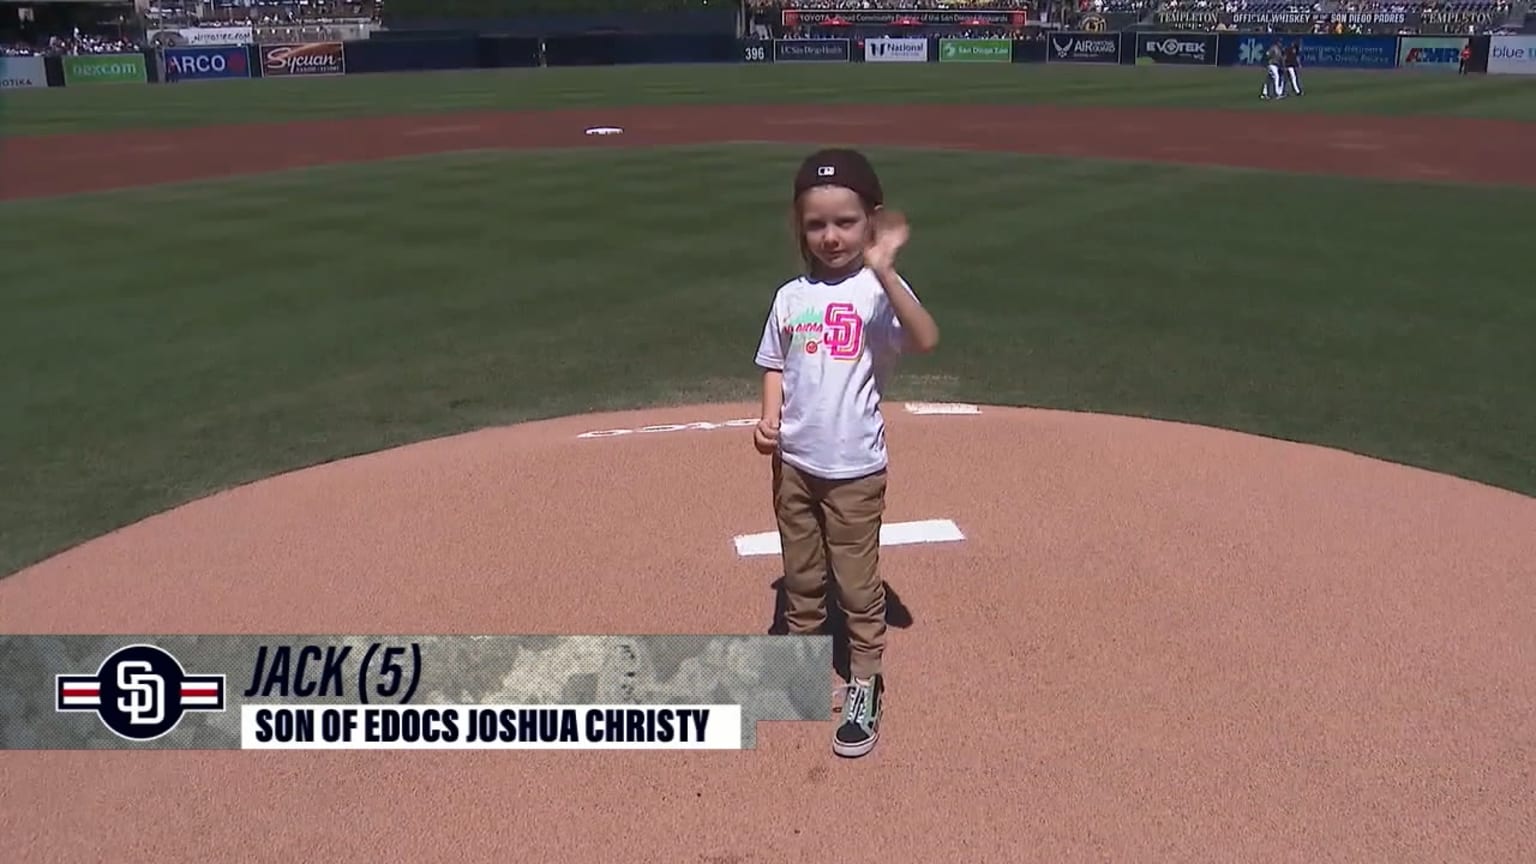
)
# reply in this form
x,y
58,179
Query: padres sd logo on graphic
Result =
x,y
140,692
1093,24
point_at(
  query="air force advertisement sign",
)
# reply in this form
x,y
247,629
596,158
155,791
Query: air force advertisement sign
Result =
x,y
1083,48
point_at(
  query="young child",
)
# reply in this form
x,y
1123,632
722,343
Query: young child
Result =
x,y
829,345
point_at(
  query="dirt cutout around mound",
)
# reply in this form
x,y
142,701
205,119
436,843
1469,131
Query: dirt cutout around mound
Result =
x,y
1155,642
1393,148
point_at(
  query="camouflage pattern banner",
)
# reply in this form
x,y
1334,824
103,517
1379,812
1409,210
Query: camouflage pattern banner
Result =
x,y
406,692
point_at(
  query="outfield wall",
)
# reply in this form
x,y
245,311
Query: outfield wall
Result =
x,y
1499,55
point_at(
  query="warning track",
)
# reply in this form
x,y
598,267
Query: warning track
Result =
x,y
1154,642
1444,149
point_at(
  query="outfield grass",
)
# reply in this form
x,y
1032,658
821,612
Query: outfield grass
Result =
x,y
57,110
164,343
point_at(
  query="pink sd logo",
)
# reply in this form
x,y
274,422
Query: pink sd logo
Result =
x,y
844,331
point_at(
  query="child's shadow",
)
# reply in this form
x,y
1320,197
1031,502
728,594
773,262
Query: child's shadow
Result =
x,y
896,615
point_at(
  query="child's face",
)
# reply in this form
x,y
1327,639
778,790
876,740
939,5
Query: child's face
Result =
x,y
835,225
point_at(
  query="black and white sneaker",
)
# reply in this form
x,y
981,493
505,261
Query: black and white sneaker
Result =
x,y
860,728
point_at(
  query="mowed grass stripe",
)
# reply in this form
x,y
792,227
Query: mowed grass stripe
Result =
x,y
41,112
216,333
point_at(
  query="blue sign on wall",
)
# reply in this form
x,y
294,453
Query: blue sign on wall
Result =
x,y
207,63
1328,52
812,51
1349,52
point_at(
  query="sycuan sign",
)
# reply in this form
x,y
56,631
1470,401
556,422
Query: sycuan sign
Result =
x,y
105,69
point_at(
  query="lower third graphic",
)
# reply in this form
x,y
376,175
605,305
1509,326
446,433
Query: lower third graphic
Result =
x,y
140,692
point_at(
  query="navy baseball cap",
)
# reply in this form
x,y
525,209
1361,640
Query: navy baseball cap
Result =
x,y
840,167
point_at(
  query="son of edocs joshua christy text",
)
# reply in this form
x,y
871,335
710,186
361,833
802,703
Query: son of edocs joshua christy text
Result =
x,y
830,343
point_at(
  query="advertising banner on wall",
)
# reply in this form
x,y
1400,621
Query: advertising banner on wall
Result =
x,y
17,73
1437,53
812,51
306,60
1512,55
202,36
975,50
206,64
105,69
1183,49
1324,52
896,51
1083,48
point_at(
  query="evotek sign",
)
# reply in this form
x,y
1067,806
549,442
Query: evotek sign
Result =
x,y
896,51
1083,48
201,64
1186,49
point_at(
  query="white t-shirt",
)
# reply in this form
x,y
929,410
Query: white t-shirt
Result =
x,y
836,344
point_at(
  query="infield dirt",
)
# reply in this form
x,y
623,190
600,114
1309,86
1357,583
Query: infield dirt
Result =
x,y
1444,149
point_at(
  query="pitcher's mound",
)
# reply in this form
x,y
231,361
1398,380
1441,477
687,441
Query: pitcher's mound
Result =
x,y
1116,640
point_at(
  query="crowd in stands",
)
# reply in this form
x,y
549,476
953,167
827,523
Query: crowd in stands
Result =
x,y
765,22
184,13
890,4
299,20
77,43
1361,6
302,20
1492,13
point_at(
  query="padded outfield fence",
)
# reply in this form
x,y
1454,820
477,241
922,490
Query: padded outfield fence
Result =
x,y
1498,55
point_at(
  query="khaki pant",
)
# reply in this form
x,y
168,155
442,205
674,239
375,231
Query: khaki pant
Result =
x,y
833,525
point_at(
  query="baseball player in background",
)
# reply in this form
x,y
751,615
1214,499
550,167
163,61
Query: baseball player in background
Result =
x,y
1292,62
1272,84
